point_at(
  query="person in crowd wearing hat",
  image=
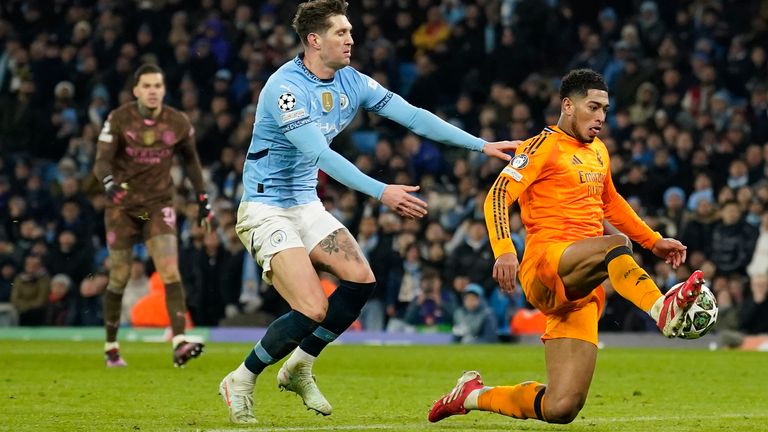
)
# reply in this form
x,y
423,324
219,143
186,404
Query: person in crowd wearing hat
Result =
x,y
473,321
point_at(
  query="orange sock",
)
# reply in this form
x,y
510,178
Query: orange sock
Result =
x,y
523,401
629,280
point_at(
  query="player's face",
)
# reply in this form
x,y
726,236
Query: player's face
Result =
x,y
587,114
150,90
336,43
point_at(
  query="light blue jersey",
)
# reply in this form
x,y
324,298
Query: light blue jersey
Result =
x,y
297,117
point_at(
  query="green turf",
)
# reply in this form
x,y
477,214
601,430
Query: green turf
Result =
x,y
63,386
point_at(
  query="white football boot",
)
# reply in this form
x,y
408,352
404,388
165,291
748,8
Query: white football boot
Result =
x,y
301,381
239,404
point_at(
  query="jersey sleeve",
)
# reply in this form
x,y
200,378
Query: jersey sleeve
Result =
x,y
288,103
106,147
514,179
188,150
373,96
379,100
621,215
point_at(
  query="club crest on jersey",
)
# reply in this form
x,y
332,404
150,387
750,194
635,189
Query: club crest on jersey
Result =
x,y
599,158
168,137
343,101
148,137
520,161
327,99
286,102
277,237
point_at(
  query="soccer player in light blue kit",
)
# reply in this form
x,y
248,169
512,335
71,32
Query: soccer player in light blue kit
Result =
x,y
281,221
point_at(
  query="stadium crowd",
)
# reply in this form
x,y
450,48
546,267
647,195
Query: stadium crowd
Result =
x,y
687,130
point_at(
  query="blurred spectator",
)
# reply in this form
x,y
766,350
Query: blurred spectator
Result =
x,y
90,303
7,275
61,308
733,241
70,258
472,258
204,277
433,306
473,321
30,292
697,231
755,309
405,286
431,33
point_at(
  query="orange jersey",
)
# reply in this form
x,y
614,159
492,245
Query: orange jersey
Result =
x,y
565,191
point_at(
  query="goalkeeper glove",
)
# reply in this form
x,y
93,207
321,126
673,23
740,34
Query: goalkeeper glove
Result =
x,y
204,212
115,192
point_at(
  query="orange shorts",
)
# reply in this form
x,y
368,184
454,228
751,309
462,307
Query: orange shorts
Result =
x,y
543,287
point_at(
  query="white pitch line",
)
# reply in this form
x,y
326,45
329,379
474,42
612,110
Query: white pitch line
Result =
x,y
502,426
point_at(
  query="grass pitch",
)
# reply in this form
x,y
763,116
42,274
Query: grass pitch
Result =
x,y
64,386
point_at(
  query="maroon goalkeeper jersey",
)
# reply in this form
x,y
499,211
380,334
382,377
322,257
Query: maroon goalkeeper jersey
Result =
x,y
144,152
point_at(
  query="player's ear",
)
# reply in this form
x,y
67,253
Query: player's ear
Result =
x,y
313,39
566,106
136,92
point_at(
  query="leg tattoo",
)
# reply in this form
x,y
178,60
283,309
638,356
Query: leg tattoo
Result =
x,y
335,243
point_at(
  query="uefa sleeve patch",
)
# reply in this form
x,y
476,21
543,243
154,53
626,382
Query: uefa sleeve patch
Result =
x,y
294,115
515,174
105,134
286,102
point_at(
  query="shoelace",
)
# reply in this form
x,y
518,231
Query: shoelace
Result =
x,y
242,406
304,377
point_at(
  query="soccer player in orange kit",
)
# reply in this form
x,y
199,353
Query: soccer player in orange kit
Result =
x,y
562,181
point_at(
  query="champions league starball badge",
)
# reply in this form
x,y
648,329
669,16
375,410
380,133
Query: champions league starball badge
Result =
x,y
286,102
520,161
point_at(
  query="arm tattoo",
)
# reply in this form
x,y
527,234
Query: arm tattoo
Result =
x,y
336,243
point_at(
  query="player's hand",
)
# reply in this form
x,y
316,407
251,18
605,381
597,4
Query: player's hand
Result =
x,y
115,192
505,272
671,251
497,149
204,212
399,199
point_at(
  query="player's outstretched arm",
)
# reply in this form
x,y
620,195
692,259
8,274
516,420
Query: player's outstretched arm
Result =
x,y
396,197
433,127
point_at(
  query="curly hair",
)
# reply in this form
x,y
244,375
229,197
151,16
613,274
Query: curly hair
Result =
x,y
312,16
580,81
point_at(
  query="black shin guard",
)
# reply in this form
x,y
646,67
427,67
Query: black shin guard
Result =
x,y
344,306
282,336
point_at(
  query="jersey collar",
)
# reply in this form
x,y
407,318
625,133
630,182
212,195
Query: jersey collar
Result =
x,y
555,129
299,60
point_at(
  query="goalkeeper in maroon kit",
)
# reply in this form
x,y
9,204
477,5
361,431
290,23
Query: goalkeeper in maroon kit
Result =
x,y
134,158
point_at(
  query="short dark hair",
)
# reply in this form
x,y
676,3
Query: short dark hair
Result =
x,y
580,81
312,16
146,68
